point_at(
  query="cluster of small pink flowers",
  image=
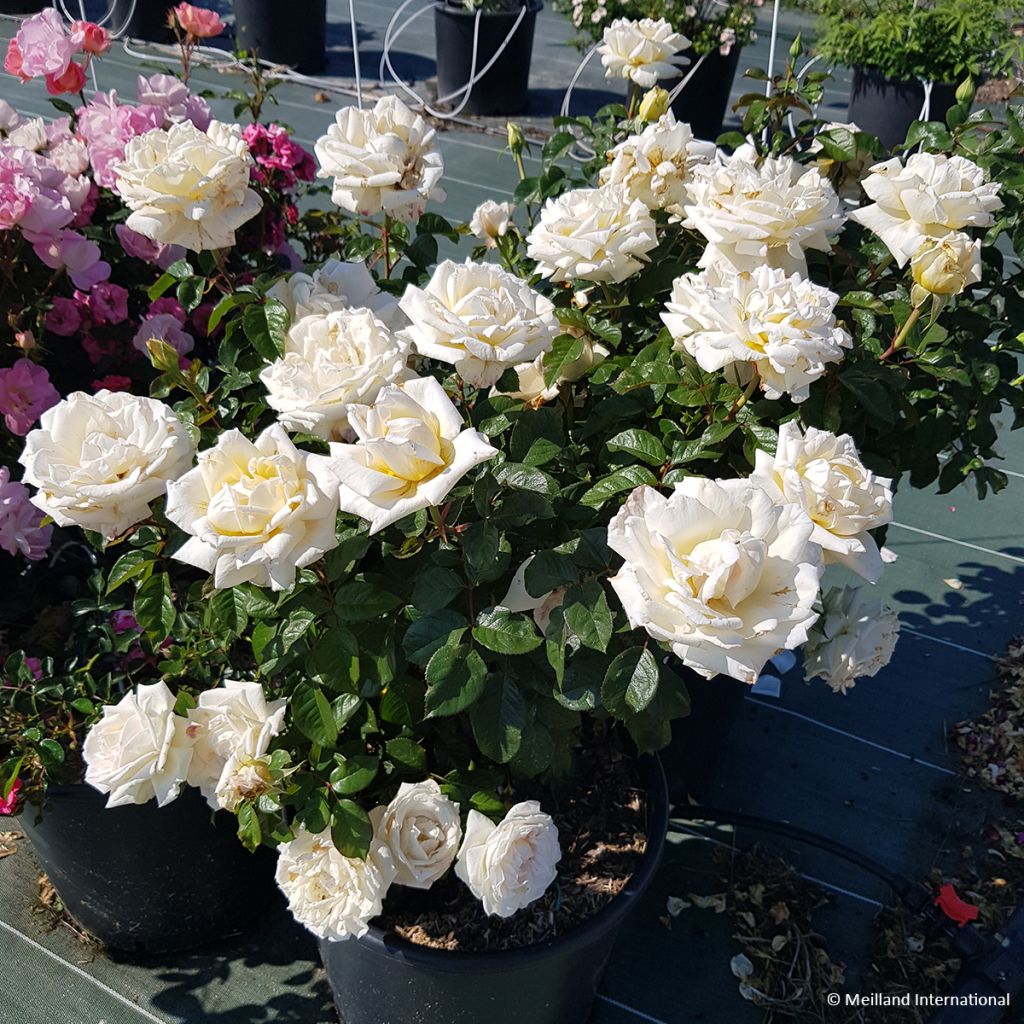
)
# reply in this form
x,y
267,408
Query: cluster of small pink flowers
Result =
x,y
279,162
20,529
44,48
25,394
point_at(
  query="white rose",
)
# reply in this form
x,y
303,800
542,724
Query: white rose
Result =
x,y
232,727
480,318
655,165
766,212
519,599
782,327
412,450
256,511
335,897
491,221
99,460
532,388
332,361
928,197
509,865
29,134
641,51
945,266
824,475
596,234
383,158
718,571
854,638
422,830
188,187
336,285
140,749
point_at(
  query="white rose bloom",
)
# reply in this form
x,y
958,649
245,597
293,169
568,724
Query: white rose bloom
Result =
x,y
335,897
532,388
336,285
641,51
655,165
854,638
332,361
480,318
596,234
491,221
188,187
824,475
140,749
782,327
412,450
928,197
30,134
422,830
756,213
99,460
945,266
232,727
383,158
256,511
509,865
718,571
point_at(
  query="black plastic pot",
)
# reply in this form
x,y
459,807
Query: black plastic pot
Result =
x,y
23,6
292,33
383,979
504,89
147,19
704,101
886,107
147,879
693,758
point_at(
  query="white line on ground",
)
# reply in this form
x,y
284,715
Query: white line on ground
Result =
x,y
113,993
630,1009
961,543
947,643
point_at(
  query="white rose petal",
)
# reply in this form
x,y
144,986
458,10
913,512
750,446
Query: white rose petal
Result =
x,y
641,51
854,638
256,511
334,286
422,830
519,599
383,158
595,234
717,571
99,460
480,318
755,213
509,865
532,388
928,197
332,361
140,749
334,896
824,475
188,187
491,221
232,726
412,450
784,327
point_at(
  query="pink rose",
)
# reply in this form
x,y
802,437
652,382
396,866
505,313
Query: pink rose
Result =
x,y
45,48
112,382
13,62
123,621
107,126
171,95
25,394
198,22
108,303
143,248
64,319
20,532
90,37
201,319
76,254
98,349
9,803
165,327
72,79
168,304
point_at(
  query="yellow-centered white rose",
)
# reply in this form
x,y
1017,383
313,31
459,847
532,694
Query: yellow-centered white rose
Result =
x,y
100,460
641,51
256,510
412,449
945,266
188,187
824,475
491,221
718,571
334,286
480,318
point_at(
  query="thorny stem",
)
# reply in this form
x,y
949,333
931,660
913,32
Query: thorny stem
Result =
x,y
385,238
897,342
744,398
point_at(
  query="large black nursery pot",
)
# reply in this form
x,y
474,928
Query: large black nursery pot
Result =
x,y
23,6
142,19
146,879
703,102
383,979
886,107
292,33
504,89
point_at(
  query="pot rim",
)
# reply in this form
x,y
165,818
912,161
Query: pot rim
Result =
x,y
457,10
387,944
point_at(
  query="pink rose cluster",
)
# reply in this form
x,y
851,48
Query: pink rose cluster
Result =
x,y
25,394
45,48
21,532
279,164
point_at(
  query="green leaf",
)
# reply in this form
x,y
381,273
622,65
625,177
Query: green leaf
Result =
x,y
407,754
430,633
630,683
354,774
228,610
565,351
549,570
265,326
190,292
536,749
51,753
505,632
480,546
312,714
249,830
579,688
498,718
134,563
402,702
360,600
154,605
527,478
625,479
351,829
640,444
180,270
334,660
455,680
435,589
295,627
588,619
